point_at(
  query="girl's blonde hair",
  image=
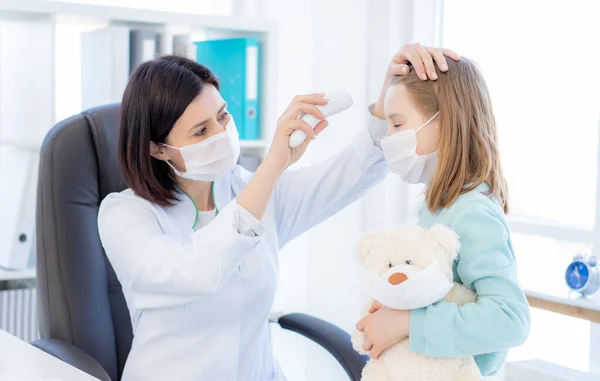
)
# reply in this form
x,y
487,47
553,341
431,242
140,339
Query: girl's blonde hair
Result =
x,y
468,148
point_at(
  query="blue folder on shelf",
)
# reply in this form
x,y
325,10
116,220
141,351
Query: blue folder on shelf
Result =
x,y
236,64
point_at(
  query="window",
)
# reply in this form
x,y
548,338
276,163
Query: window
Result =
x,y
542,262
537,59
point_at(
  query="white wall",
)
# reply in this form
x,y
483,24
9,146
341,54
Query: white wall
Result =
x,y
319,51
294,49
340,47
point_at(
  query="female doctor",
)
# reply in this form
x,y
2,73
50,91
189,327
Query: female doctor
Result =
x,y
194,240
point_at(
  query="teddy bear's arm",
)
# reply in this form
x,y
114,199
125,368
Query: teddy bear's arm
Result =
x,y
461,295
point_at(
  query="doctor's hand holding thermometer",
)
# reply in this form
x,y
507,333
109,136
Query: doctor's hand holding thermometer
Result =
x,y
301,122
280,156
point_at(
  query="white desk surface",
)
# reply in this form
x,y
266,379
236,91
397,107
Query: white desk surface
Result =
x,y
543,278
591,303
556,297
21,361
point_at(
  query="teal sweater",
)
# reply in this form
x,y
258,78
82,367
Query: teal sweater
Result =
x,y
500,318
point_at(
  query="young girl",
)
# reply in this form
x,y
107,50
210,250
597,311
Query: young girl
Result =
x,y
443,134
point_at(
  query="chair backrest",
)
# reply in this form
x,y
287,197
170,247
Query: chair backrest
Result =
x,y
80,298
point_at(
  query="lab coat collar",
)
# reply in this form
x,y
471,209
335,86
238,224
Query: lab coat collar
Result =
x,y
223,192
185,211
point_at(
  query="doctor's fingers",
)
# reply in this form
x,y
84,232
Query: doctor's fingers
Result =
x,y
398,69
321,126
309,99
296,108
316,98
427,62
290,126
450,53
439,56
408,53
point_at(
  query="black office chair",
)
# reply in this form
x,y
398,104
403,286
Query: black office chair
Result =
x,y
84,319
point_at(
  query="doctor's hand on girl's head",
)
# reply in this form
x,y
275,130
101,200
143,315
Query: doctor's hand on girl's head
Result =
x,y
422,59
280,155
383,327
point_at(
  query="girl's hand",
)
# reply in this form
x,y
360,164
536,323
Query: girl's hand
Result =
x,y
383,327
421,58
280,154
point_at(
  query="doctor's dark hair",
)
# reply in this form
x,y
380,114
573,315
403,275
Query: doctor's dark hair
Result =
x,y
156,96
468,153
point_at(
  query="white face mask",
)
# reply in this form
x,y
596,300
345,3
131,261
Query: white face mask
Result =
x,y
422,288
211,158
400,151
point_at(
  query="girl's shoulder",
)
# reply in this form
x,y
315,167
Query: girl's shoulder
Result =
x,y
468,205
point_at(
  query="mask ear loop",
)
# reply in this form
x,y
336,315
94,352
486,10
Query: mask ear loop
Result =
x,y
426,123
168,146
168,162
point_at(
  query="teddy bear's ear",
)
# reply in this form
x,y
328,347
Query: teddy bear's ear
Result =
x,y
365,245
446,238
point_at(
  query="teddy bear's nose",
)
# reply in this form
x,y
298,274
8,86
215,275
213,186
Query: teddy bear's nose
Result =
x,y
397,278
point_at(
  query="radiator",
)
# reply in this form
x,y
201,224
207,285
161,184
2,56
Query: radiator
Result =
x,y
18,313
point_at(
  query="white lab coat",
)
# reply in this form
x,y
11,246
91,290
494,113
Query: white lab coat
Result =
x,y
200,301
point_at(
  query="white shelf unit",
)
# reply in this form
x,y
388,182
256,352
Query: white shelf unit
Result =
x,y
136,15
167,24
32,87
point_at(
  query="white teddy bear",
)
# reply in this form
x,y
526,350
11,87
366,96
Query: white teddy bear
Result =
x,y
396,256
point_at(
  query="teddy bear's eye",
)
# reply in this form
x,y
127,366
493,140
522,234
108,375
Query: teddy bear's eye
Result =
x,y
390,265
408,262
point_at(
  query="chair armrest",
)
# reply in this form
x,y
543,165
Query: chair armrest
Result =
x,y
335,340
73,356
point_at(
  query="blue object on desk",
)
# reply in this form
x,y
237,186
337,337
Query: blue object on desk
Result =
x,y
236,64
583,274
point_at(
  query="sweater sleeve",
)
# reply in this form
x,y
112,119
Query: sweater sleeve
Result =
x,y
500,318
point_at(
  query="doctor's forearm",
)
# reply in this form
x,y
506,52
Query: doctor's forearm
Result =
x,y
255,197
